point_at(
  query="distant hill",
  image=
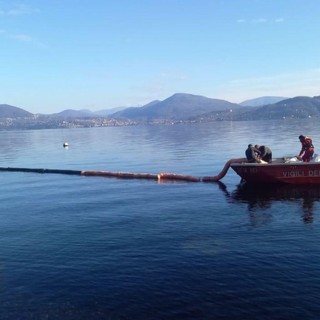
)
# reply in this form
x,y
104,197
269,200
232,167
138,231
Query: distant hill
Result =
x,y
180,106
70,113
298,107
151,103
7,111
262,101
107,112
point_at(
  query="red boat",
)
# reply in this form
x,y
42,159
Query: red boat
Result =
x,y
279,171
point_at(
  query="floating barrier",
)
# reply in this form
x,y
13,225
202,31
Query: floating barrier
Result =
x,y
127,175
173,176
71,172
224,170
123,175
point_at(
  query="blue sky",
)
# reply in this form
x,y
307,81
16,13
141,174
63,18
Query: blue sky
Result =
x,y
99,54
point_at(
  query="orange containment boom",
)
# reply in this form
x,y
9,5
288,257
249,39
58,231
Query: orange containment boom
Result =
x,y
127,175
173,176
224,170
124,175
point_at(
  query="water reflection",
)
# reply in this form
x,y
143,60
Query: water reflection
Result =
x,y
258,197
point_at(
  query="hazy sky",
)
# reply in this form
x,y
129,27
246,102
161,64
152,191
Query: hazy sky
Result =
x,y
99,54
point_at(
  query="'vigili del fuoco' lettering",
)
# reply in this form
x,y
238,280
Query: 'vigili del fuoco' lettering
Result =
x,y
293,173
314,173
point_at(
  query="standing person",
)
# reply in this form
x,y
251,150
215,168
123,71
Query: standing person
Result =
x,y
266,153
252,154
307,149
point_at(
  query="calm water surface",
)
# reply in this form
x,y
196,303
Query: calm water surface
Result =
x,y
74,247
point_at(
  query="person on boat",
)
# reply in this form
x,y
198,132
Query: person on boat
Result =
x,y
252,154
307,149
265,153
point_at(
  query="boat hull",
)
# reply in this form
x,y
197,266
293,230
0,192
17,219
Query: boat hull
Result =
x,y
279,172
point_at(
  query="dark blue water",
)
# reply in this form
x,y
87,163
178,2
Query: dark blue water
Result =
x,y
74,247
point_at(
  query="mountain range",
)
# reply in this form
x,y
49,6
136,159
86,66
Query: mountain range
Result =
x,y
261,101
187,108
180,106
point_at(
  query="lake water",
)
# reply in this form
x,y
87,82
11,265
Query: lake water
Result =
x,y
75,247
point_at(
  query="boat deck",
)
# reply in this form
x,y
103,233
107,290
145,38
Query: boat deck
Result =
x,y
285,161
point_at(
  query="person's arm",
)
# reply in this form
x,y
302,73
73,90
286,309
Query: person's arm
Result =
x,y
299,157
301,151
256,154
